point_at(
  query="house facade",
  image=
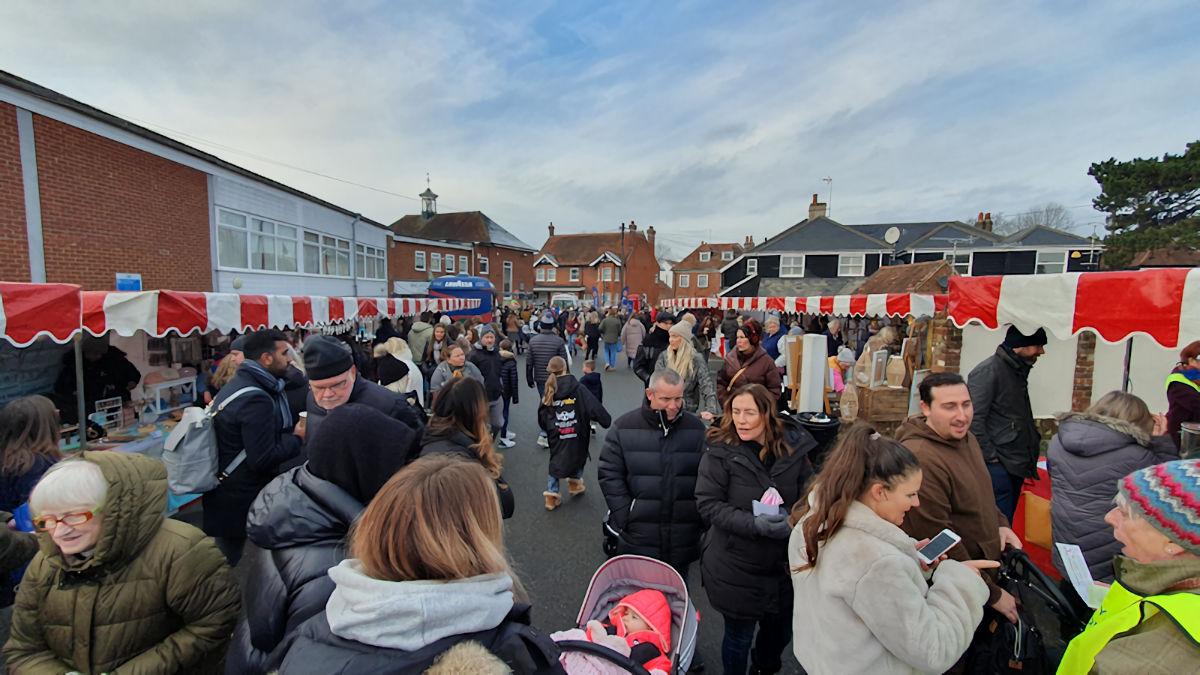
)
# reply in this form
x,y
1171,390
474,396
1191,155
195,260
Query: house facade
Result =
x,y
820,256
431,244
597,267
699,272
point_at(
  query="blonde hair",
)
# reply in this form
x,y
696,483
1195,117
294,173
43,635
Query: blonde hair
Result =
x,y
28,430
680,360
1125,407
556,367
72,483
436,519
225,372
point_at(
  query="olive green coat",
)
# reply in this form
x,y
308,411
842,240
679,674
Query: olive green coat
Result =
x,y
156,597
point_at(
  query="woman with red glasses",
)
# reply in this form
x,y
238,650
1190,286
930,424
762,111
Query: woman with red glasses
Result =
x,y
116,586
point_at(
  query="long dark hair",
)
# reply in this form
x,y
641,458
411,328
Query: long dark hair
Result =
x,y
28,430
461,405
773,436
861,459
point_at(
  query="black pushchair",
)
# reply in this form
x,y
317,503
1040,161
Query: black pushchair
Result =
x,y
621,576
1047,622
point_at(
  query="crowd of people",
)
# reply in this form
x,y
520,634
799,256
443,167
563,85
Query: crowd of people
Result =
x,y
374,484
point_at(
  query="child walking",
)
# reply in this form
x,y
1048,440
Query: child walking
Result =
x,y
509,387
565,414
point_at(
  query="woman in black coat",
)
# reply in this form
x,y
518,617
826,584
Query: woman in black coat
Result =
x,y
301,520
459,426
566,413
744,562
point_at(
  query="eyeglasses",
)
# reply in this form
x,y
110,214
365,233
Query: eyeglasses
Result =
x,y
48,523
335,387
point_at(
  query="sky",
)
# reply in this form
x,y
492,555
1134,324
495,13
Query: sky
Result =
x,y
708,120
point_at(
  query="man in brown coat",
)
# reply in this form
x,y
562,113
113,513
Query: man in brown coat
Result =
x,y
956,491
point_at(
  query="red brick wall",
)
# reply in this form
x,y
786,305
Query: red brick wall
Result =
x,y
14,247
401,257
1085,363
108,208
522,263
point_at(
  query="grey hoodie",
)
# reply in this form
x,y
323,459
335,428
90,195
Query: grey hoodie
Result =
x,y
1087,458
408,615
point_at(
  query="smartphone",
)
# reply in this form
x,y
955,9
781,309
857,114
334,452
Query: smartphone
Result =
x,y
944,541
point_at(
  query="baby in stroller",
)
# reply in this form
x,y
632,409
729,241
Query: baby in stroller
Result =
x,y
643,619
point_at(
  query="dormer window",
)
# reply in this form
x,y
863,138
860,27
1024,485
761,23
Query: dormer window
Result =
x,y
726,255
705,256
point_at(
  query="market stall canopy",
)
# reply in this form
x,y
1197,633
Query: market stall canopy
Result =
x,y
877,304
1162,304
29,311
159,313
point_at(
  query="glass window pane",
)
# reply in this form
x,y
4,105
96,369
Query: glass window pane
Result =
x,y
262,252
328,241
360,265
419,261
233,219
359,248
285,254
462,264
285,231
328,261
449,263
231,247
310,236
343,244
312,259
260,225
343,264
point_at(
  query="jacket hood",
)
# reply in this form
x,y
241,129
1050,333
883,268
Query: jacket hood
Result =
x,y
565,385
652,606
133,510
505,354
408,615
917,427
419,327
468,657
657,337
1090,435
297,508
1013,361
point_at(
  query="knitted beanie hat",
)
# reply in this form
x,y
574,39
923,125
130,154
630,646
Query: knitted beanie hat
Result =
x,y
1167,496
683,329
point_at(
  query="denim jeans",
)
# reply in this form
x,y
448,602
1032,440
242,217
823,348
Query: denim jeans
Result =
x,y
774,632
504,429
552,482
610,353
1006,487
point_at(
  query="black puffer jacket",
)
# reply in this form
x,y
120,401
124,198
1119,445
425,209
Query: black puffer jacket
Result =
x,y
647,473
1087,458
647,355
1003,420
746,575
489,364
300,521
542,347
458,443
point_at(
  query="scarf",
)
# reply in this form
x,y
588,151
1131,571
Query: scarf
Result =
x,y
271,384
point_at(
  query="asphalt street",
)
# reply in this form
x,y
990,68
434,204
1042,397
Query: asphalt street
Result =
x,y
556,552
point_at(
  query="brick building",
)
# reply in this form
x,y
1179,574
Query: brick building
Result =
x,y
85,195
599,264
698,274
432,244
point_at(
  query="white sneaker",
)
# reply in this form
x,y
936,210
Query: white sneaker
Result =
x,y
543,442
511,436
505,443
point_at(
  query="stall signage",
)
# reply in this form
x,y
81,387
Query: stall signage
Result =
x,y
127,281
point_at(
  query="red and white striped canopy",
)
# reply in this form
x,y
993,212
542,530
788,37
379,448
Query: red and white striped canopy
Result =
x,y
28,311
59,311
161,312
880,304
1163,304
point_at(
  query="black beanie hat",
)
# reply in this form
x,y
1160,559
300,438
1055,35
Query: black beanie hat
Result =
x,y
326,357
1015,339
358,448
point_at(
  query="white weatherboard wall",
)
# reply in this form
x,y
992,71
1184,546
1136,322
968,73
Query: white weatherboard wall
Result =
x,y
1052,378
1148,370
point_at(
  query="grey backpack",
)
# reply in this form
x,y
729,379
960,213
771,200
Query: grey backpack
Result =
x,y
190,451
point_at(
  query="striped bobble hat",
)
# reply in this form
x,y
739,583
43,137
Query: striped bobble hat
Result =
x,y
1167,496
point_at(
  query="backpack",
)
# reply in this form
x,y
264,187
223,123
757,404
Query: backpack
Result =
x,y
190,451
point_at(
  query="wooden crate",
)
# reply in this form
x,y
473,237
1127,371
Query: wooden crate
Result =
x,y
882,404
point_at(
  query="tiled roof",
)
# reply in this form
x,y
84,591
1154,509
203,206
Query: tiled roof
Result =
x,y
691,261
465,226
926,277
579,250
805,286
1041,235
1166,257
822,234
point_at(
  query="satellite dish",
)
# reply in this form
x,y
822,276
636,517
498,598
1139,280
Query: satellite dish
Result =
x,y
892,235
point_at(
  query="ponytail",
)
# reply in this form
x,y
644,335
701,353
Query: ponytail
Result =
x,y
556,367
861,459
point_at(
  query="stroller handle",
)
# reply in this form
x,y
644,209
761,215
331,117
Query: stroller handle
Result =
x,y
604,653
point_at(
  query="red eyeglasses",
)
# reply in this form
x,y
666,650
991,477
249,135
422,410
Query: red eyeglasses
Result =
x,y
48,523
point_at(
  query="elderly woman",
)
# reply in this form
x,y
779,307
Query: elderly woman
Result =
x,y
1150,618
771,336
117,587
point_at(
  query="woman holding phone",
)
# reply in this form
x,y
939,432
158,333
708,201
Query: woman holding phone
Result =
x,y
864,603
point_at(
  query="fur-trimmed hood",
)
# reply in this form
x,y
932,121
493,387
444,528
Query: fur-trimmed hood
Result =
x,y
1089,434
468,658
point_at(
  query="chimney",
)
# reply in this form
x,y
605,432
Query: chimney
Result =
x,y
632,226
650,238
749,243
985,221
552,228
817,209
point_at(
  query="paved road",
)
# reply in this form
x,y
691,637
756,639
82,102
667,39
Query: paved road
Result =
x,y
555,553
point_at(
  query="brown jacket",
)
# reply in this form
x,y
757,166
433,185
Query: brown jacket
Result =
x,y
956,493
759,369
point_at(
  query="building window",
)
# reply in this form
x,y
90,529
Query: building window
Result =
x,y
312,253
540,275
960,261
463,268
852,264
616,273
551,274
791,265
231,239
369,262
574,274
701,281
1051,262
705,256
419,261
435,262
726,255
606,274
507,278
449,264
751,266
246,242
483,264
684,281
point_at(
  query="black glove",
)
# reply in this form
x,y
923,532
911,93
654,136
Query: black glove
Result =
x,y
773,527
